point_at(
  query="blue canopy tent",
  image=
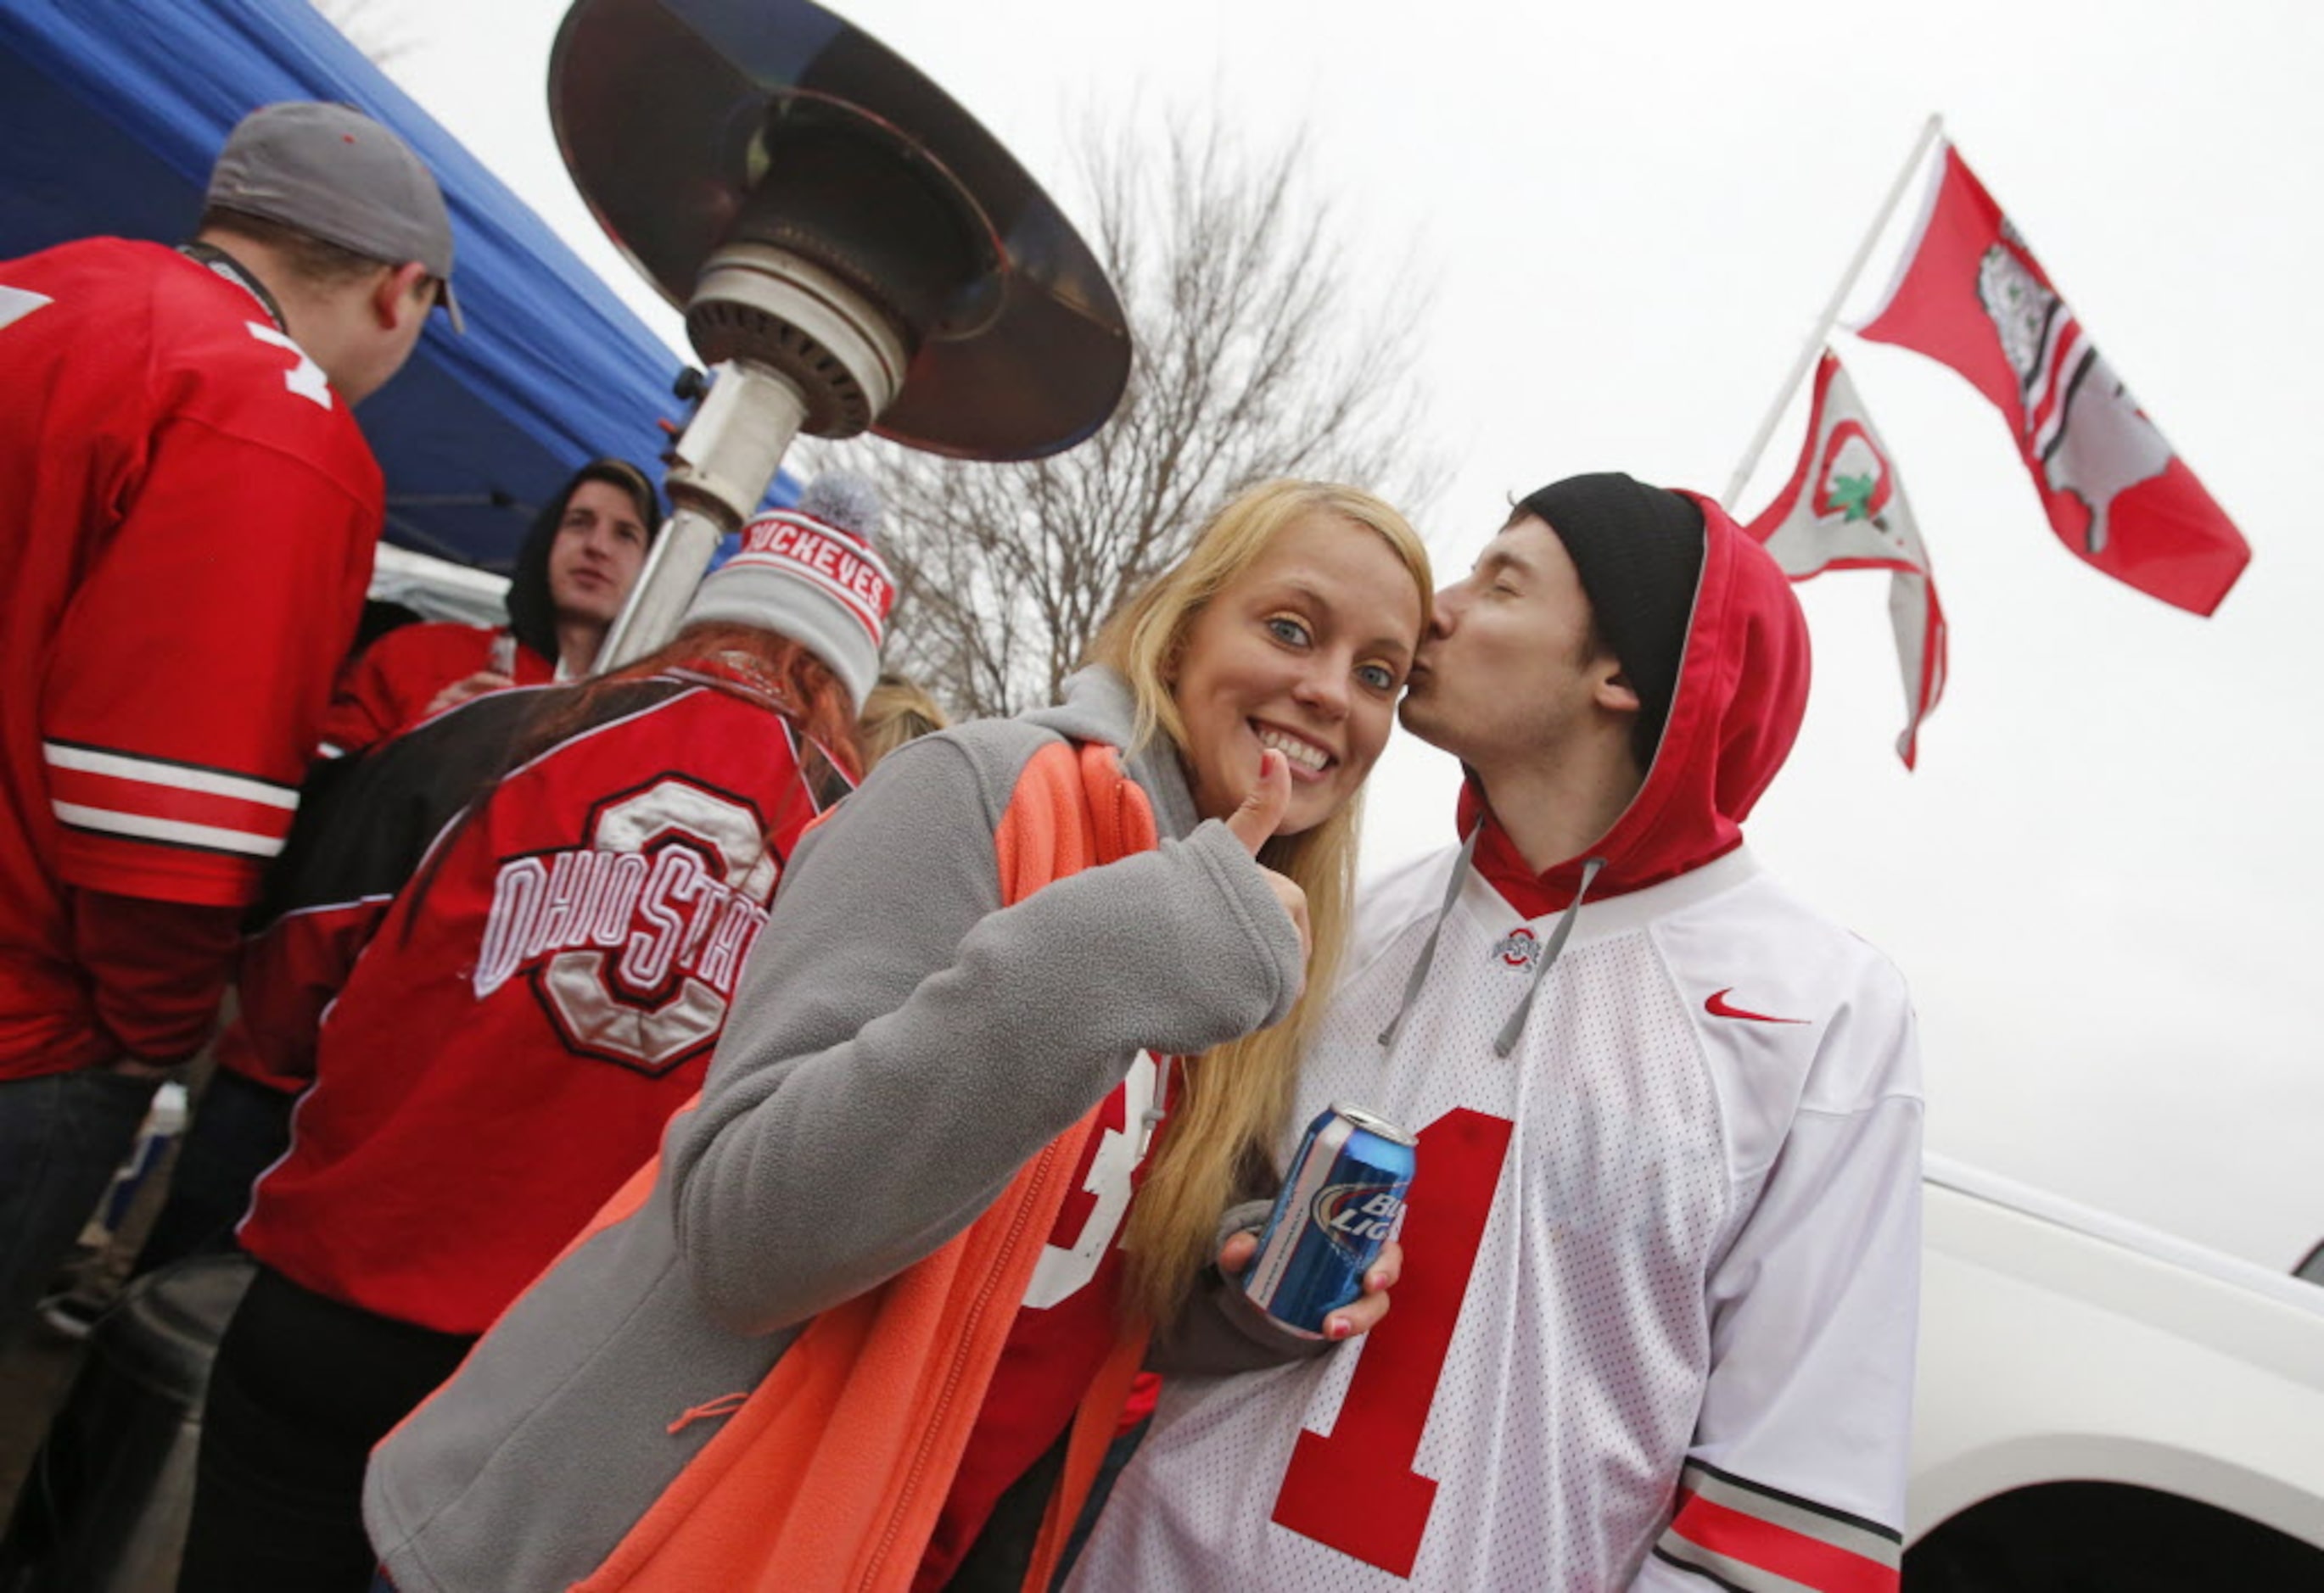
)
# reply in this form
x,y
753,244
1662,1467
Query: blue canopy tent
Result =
x,y
111,112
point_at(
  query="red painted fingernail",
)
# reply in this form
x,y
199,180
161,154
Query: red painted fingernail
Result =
x,y
1337,1327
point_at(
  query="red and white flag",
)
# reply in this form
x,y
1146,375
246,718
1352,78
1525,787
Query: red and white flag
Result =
x,y
1844,509
1970,293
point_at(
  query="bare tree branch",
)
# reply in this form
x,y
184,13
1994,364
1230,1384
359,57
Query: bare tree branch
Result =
x,y
1253,359
370,26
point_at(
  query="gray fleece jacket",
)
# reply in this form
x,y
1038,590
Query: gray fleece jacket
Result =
x,y
900,1045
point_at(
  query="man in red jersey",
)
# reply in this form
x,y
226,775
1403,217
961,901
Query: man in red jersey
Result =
x,y
186,532
577,565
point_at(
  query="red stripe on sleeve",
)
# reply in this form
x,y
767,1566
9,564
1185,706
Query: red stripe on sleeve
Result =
x,y
127,866
1779,1550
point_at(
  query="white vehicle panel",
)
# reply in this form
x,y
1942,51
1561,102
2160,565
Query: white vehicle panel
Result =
x,y
2058,1344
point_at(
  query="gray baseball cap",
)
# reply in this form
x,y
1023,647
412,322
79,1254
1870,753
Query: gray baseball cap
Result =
x,y
334,174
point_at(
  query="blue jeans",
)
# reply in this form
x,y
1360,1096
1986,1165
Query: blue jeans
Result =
x,y
62,1137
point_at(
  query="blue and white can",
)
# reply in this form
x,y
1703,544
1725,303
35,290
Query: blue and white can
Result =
x,y
1340,1203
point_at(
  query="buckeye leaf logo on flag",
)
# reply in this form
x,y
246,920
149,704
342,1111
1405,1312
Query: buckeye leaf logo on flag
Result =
x,y
1854,482
1844,509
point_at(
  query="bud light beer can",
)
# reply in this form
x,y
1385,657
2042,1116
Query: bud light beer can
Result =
x,y
1339,1206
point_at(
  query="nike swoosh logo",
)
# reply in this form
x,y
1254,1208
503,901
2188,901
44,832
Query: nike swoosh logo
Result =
x,y
1718,1008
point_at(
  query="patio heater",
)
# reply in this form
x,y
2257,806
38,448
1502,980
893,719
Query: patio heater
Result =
x,y
852,252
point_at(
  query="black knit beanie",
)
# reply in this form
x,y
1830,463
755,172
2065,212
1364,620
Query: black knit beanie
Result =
x,y
1638,550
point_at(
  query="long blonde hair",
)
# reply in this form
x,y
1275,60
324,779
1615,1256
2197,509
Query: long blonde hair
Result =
x,y
1237,1098
896,710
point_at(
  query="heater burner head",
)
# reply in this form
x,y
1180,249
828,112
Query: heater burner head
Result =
x,y
744,153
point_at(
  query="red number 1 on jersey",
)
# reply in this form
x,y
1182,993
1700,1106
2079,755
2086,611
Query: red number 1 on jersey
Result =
x,y
1356,1491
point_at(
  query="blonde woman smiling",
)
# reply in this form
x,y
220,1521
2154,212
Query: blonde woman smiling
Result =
x,y
1028,1004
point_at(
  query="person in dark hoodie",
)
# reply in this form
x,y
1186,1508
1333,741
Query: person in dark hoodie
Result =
x,y
1654,1328
573,573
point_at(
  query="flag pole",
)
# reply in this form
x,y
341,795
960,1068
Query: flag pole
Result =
x,y
1831,317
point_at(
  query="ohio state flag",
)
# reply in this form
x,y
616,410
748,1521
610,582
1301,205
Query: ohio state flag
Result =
x,y
1844,509
1970,293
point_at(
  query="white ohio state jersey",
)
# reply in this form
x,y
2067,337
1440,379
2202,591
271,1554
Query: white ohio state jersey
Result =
x,y
1661,1267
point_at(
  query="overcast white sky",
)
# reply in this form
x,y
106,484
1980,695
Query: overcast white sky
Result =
x,y
2103,882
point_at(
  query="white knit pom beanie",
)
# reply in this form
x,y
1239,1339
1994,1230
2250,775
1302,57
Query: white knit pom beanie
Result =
x,y
812,573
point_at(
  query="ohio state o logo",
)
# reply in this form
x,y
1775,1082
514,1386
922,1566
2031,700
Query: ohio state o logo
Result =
x,y
633,940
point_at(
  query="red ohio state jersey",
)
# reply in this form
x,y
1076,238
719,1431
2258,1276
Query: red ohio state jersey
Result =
x,y
1069,1319
390,686
537,999
187,518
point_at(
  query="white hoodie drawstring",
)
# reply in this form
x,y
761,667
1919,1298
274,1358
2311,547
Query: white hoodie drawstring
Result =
x,y
1508,1041
1419,975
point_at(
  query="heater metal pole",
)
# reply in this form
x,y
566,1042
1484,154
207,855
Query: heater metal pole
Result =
x,y
719,471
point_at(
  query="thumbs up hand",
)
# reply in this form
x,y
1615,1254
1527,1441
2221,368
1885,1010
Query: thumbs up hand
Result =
x,y
1254,821
1253,824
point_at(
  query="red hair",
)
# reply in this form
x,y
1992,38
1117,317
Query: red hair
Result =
x,y
810,695
804,689
804,692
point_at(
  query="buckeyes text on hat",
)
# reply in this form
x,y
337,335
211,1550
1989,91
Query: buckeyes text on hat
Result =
x,y
814,573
